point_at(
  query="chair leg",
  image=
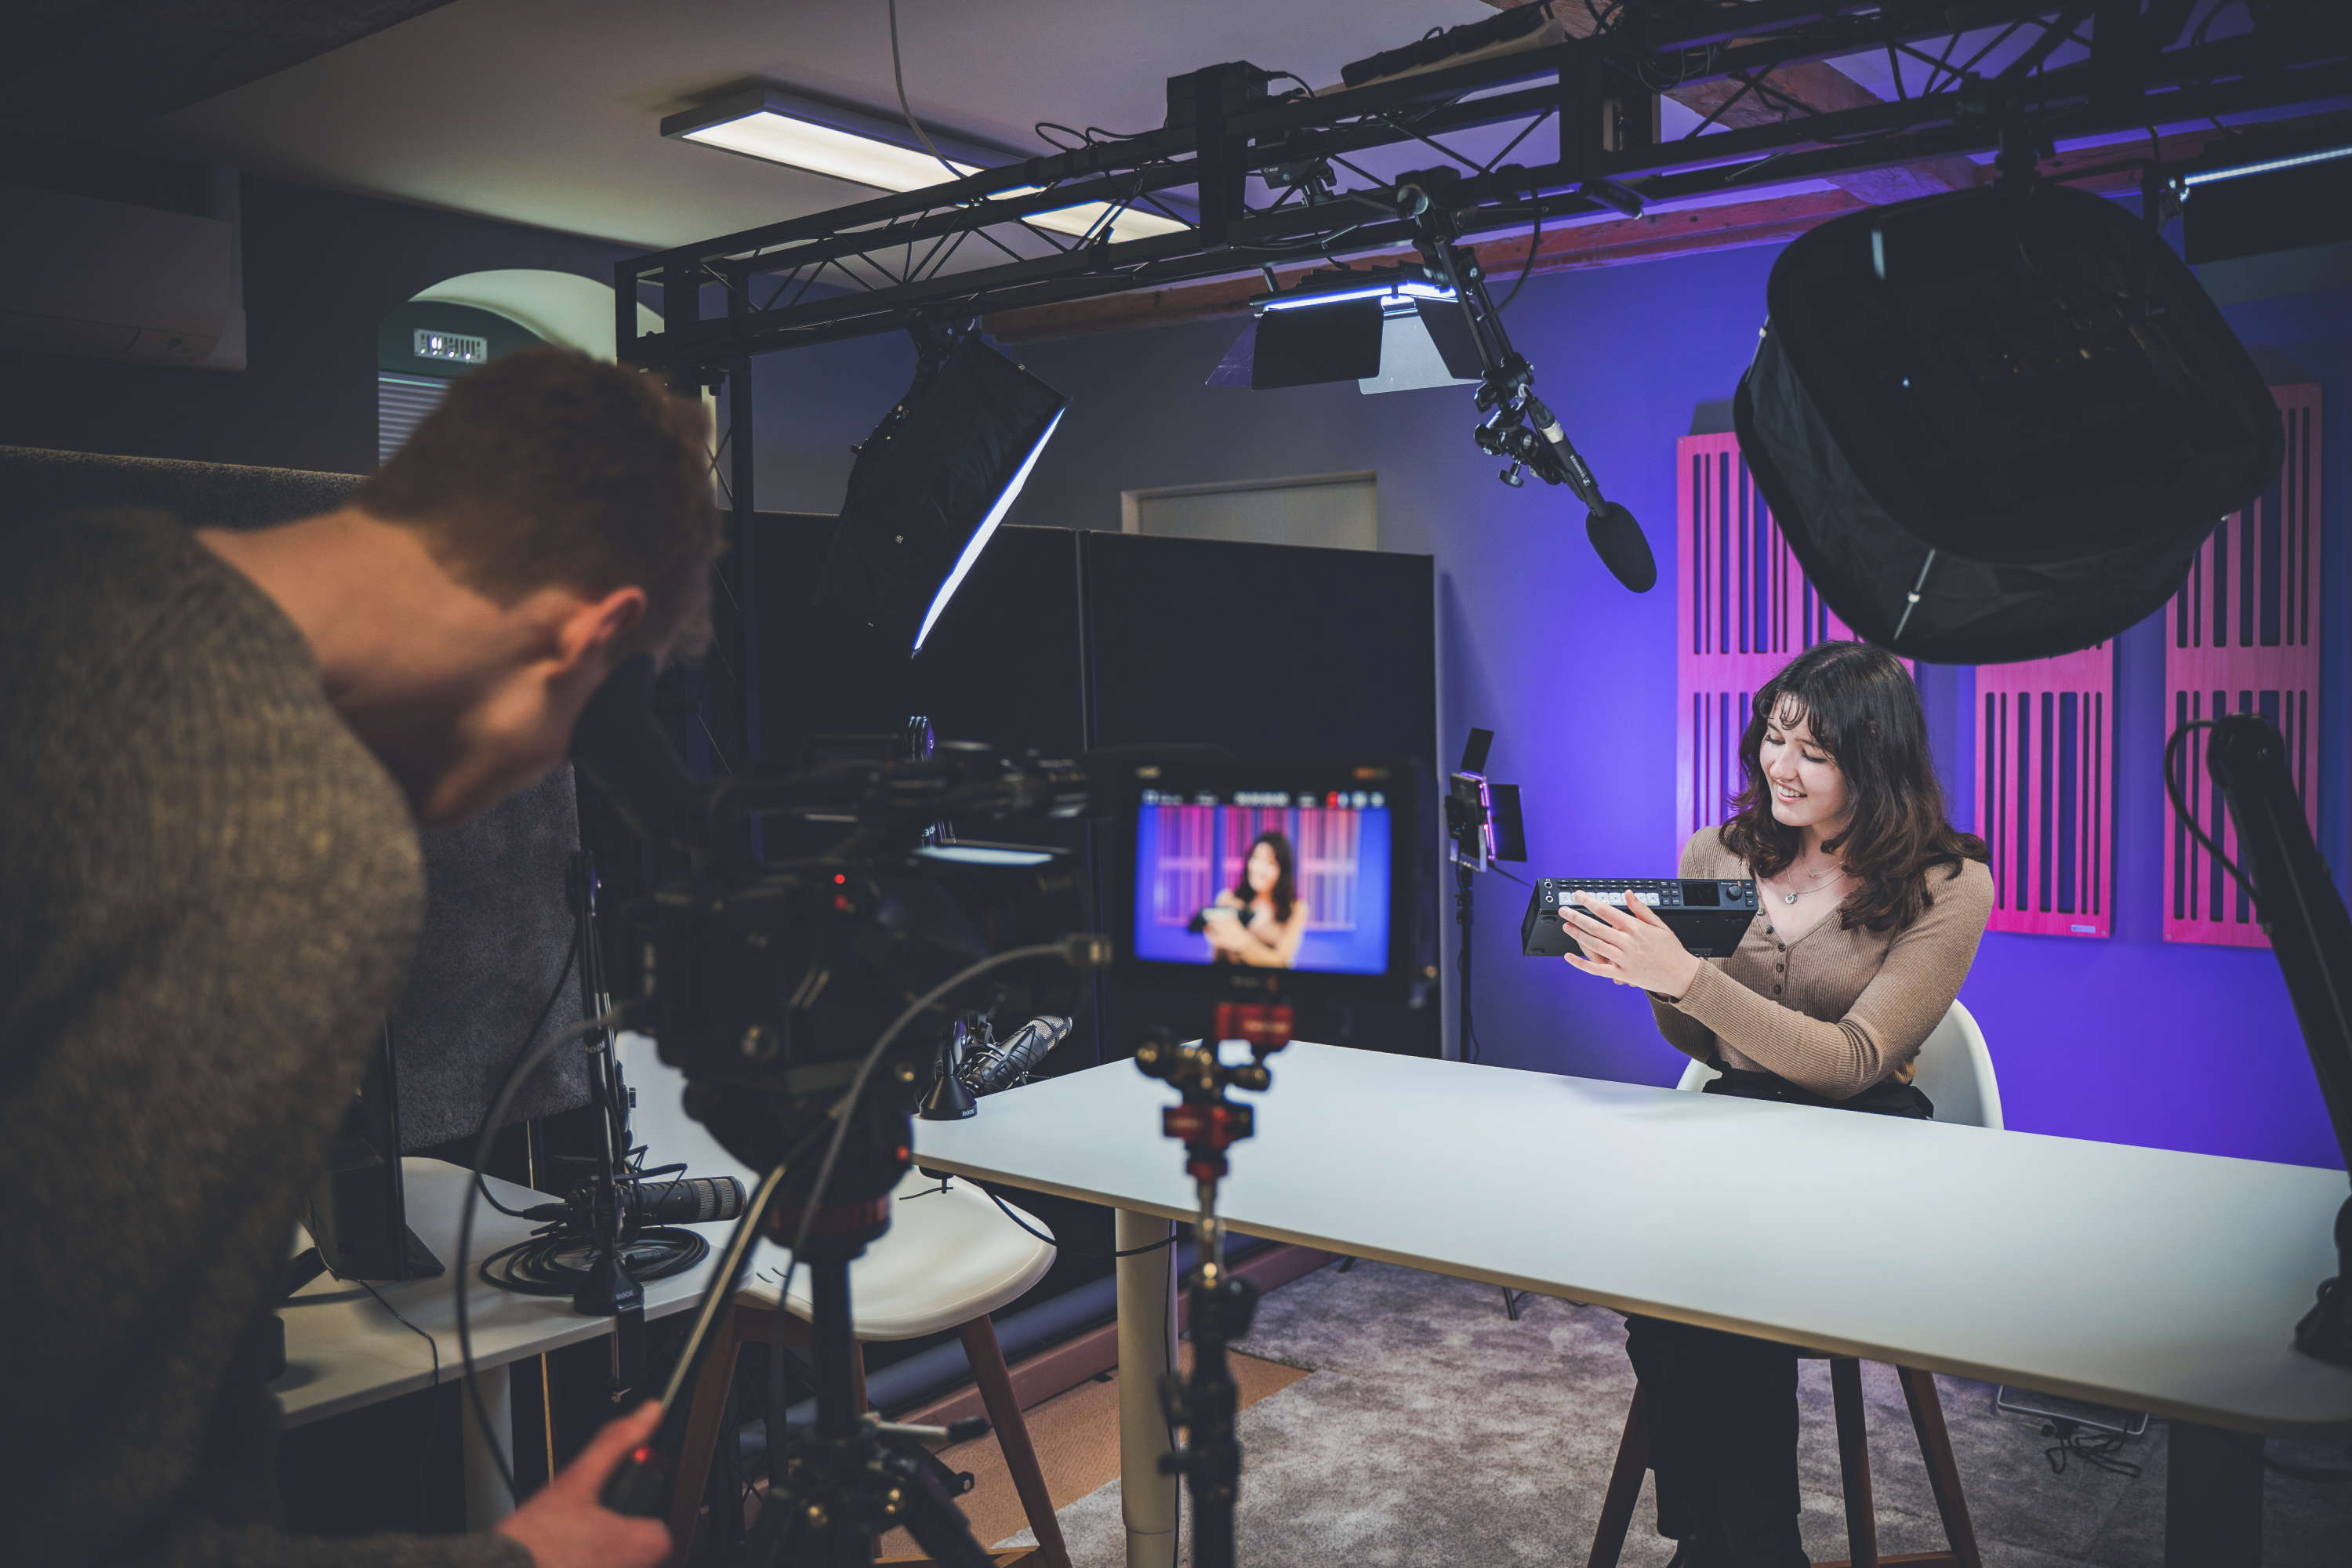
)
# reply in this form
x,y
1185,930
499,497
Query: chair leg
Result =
x,y
705,1426
987,1358
1510,1303
1624,1486
1943,1470
1853,1460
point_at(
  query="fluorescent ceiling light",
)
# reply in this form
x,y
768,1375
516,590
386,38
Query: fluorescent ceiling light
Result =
x,y
984,532
821,148
865,149
2267,166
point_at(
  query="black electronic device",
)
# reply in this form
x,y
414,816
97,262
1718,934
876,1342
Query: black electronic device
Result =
x,y
356,1211
1340,835
1709,915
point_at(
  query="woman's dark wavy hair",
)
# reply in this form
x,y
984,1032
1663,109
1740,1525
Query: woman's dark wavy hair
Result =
x,y
1862,709
1285,886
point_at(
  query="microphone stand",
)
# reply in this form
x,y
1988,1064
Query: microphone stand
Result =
x,y
2311,937
1518,425
607,1289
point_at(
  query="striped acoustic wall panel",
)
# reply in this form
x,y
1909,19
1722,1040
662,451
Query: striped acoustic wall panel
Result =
x,y
2245,639
1745,609
2045,791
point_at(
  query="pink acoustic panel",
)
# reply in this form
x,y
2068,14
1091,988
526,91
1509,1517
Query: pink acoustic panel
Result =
x,y
1744,610
2245,639
2045,791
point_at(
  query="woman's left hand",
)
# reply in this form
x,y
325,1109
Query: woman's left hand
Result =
x,y
1632,949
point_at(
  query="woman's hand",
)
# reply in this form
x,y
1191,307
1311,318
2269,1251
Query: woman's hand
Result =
x,y
1223,930
1632,949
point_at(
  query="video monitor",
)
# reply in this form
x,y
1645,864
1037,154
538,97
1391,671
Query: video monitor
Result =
x,y
1247,868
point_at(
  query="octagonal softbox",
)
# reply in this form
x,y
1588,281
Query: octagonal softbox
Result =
x,y
2016,404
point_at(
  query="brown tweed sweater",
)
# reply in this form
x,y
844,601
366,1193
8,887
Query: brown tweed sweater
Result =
x,y
208,892
1834,1011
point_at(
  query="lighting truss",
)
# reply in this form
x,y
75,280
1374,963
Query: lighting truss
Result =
x,y
879,265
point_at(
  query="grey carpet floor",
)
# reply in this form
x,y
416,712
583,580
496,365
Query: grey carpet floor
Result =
x,y
1434,1430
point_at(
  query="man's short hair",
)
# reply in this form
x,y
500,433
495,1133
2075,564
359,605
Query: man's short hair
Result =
x,y
548,467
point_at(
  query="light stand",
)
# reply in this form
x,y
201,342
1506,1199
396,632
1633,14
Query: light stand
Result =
x,y
1221,1304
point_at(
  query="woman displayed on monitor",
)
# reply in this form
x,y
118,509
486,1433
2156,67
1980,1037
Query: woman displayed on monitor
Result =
x,y
1261,920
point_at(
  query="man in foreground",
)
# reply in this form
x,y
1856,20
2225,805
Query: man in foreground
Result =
x,y
218,749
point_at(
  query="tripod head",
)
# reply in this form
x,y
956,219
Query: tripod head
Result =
x,y
1206,1122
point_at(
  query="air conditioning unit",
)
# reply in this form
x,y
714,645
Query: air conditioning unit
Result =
x,y
107,280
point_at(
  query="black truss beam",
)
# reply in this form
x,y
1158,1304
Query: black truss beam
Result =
x,y
2100,94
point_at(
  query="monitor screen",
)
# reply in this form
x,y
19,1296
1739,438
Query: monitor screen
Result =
x,y
1270,878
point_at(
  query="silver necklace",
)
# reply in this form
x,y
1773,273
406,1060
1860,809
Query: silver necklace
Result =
x,y
1815,885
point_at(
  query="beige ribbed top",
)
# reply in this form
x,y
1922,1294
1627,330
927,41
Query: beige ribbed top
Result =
x,y
1835,1011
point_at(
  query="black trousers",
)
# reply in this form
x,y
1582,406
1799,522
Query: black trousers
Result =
x,y
1722,1407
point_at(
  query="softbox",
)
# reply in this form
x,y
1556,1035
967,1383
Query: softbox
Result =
x,y
930,485
2013,405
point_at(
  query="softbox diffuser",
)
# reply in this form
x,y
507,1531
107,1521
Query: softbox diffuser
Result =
x,y
931,484
2017,402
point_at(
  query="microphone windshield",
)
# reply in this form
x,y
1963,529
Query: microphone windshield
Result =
x,y
1617,540
1006,1064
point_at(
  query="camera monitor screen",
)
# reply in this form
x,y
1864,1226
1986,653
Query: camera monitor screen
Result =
x,y
1269,879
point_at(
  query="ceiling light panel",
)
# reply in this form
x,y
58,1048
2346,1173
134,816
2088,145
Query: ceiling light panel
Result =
x,y
847,144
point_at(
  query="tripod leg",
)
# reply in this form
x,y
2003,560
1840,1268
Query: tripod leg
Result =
x,y
1147,1349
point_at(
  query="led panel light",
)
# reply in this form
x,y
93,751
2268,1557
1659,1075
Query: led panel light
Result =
x,y
2267,166
1388,294
849,144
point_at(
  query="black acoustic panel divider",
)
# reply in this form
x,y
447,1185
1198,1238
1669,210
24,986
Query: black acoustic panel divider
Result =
x,y
1003,665
1272,651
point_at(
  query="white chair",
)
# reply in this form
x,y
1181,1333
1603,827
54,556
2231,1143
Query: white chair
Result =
x,y
1955,1072
949,1260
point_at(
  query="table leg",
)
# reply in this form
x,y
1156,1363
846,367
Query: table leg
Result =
x,y
486,1501
1147,1348
2212,1496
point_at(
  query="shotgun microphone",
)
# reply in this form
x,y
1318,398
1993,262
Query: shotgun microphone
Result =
x,y
1002,1065
696,1201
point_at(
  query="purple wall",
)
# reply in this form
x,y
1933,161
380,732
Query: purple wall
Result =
x,y
2130,1041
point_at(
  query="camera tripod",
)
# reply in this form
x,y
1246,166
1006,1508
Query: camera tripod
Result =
x,y
1221,1304
849,1476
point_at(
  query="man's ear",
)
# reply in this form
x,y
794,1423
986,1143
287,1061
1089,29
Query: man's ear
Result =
x,y
594,627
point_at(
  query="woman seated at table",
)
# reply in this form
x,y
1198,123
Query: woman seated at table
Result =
x,y
1873,906
1262,920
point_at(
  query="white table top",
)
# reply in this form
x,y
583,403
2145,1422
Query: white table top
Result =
x,y
346,1350
2139,1278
